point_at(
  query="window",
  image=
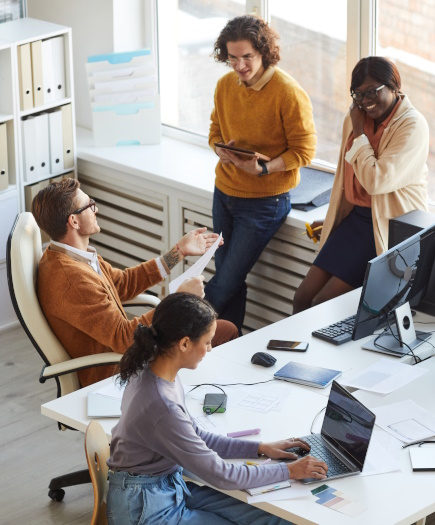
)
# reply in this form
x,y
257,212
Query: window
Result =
x,y
188,74
314,50
320,44
10,10
405,34
314,53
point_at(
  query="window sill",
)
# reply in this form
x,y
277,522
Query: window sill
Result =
x,y
172,163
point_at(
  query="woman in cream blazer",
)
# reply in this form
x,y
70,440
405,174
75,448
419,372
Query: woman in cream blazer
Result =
x,y
381,174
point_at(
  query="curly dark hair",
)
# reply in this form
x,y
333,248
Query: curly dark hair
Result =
x,y
179,315
262,37
378,68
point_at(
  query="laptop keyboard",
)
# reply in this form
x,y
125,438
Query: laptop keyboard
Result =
x,y
337,333
319,451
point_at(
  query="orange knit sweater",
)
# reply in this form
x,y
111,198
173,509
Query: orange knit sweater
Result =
x,y
84,309
276,120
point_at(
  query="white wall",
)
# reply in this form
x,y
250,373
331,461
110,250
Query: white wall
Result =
x,y
98,26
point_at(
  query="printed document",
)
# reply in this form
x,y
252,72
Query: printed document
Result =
x,y
405,420
383,377
196,269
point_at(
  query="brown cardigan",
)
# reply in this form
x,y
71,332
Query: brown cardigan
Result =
x,y
84,309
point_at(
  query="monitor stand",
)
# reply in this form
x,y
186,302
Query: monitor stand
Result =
x,y
401,338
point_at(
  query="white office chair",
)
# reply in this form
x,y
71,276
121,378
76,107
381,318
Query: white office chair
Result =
x,y
23,253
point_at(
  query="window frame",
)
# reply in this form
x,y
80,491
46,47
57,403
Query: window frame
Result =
x,y
361,37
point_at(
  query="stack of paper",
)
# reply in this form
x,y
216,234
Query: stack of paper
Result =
x,y
106,401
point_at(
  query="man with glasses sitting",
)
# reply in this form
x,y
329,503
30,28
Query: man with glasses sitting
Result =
x,y
81,294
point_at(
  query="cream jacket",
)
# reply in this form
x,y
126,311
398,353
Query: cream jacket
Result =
x,y
396,180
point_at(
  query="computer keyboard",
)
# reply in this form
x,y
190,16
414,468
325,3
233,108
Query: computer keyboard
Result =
x,y
337,333
319,451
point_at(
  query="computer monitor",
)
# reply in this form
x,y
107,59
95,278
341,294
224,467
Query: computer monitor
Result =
x,y
398,276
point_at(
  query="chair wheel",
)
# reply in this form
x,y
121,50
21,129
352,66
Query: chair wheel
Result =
x,y
56,494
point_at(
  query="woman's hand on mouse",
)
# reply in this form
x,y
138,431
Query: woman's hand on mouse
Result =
x,y
308,467
278,449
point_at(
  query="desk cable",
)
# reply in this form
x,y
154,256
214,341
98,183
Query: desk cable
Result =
x,y
417,359
208,412
315,419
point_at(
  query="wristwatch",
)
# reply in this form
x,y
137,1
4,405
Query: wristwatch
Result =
x,y
264,170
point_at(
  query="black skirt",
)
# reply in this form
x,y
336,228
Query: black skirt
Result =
x,y
349,248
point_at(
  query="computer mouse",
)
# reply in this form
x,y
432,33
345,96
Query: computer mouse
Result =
x,y
263,359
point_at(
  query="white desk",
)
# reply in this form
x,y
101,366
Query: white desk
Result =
x,y
347,357
395,498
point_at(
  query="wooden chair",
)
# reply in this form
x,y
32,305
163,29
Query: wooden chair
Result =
x,y
97,451
23,253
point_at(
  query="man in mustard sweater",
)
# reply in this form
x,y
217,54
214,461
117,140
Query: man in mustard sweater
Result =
x,y
81,295
258,107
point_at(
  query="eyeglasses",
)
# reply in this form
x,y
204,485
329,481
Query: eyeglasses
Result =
x,y
246,60
370,94
90,205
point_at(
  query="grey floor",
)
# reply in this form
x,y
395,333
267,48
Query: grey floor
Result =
x,y
32,449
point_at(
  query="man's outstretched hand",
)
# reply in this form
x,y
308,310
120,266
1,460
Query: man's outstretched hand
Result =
x,y
197,242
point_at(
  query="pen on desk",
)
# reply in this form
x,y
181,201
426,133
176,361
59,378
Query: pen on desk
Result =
x,y
255,464
241,433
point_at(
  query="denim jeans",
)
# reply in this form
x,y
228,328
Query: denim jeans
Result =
x,y
247,226
167,500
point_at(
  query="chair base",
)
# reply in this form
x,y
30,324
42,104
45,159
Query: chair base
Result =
x,y
56,491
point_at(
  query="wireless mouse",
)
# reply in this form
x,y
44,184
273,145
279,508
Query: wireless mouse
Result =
x,y
263,359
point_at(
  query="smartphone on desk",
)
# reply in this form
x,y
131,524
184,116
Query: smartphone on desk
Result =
x,y
292,346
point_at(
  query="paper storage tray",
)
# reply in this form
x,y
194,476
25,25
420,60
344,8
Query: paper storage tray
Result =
x,y
148,84
116,61
122,73
126,124
128,97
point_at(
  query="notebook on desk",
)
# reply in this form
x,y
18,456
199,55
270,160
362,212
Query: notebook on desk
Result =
x,y
103,406
308,375
345,436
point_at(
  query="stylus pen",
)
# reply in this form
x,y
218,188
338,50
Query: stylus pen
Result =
x,y
241,433
314,230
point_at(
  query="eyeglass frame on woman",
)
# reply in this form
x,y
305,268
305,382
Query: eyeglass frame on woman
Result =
x,y
92,204
359,97
234,61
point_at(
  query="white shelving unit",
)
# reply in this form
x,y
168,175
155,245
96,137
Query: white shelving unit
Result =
x,y
19,79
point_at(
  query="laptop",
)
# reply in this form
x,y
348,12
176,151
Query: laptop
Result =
x,y
345,436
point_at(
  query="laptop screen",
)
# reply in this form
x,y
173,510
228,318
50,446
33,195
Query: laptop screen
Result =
x,y
348,424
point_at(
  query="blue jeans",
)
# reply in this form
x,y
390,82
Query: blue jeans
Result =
x,y
167,500
247,226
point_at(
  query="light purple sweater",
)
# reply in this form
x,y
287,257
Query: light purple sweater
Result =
x,y
156,435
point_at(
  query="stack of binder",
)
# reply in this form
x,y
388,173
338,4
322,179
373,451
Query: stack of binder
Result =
x,y
124,98
48,143
4,169
41,72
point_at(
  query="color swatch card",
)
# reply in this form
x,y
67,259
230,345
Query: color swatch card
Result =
x,y
335,499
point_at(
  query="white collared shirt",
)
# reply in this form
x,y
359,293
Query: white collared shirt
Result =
x,y
91,256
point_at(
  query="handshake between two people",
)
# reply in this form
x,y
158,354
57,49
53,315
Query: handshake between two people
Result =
x,y
195,242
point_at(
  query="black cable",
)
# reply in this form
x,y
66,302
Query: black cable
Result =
x,y
218,385
207,411
377,345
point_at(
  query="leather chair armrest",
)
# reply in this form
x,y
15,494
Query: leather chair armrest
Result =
x,y
79,363
143,299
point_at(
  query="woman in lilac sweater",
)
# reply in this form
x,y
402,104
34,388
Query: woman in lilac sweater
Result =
x,y
156,437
